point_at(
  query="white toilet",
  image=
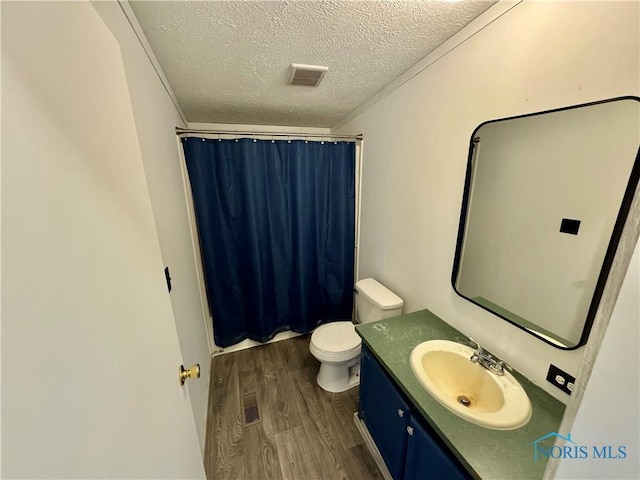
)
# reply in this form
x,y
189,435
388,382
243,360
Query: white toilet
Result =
x,y
337,345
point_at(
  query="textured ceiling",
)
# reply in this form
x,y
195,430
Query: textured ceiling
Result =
x,y
227,61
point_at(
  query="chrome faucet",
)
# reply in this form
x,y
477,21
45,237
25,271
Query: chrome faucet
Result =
x,y
487,360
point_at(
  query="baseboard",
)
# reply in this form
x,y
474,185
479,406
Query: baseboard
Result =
x,y
373,449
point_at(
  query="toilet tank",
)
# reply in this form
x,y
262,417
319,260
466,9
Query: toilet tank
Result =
x,y
375,301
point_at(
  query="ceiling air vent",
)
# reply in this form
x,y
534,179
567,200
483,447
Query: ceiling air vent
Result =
x,y
308,75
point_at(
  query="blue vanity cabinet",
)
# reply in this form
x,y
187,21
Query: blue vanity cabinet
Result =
x,y
407,445
385,413
426,458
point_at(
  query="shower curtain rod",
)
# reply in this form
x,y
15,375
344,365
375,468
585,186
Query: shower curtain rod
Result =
x,y
181,131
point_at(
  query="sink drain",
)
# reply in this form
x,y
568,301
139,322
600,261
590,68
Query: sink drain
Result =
x,y
464,400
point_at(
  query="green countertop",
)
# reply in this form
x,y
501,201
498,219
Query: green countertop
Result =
x,y
486,453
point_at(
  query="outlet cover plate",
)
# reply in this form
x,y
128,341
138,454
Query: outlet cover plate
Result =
x,y
560,379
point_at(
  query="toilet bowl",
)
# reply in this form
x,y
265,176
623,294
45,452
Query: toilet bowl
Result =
x,y
337,345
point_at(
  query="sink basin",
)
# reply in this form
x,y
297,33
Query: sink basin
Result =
x,y
467,389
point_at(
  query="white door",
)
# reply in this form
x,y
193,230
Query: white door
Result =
x,y
89,348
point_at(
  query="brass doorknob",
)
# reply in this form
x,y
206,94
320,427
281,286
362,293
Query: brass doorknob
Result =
x,y
193,372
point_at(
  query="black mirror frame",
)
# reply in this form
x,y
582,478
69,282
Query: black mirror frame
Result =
x,y
623,212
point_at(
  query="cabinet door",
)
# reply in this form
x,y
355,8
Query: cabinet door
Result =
x,y
427,458
385,413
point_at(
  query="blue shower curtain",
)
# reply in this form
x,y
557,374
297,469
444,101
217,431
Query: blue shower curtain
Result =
x,y
276,221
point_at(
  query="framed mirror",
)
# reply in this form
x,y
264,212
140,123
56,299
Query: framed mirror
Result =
x,y
546,196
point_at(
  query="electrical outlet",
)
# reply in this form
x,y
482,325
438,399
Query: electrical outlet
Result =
x,y
560,379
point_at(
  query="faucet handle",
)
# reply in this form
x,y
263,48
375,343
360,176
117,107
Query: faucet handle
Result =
x,y
477,354
499,367
478,346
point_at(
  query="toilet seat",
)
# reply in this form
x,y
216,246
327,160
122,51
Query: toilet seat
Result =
x,y
336,337
335,342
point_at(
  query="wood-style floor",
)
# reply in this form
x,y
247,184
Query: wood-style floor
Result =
x,y
303,432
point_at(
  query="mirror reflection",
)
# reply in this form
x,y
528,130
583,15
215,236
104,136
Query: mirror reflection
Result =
x,y
545,200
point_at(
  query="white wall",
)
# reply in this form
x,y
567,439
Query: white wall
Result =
x,y
89,347
156,119
610,410
537,56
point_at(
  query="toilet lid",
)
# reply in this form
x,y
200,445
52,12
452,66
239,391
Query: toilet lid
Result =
x,y
336,337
